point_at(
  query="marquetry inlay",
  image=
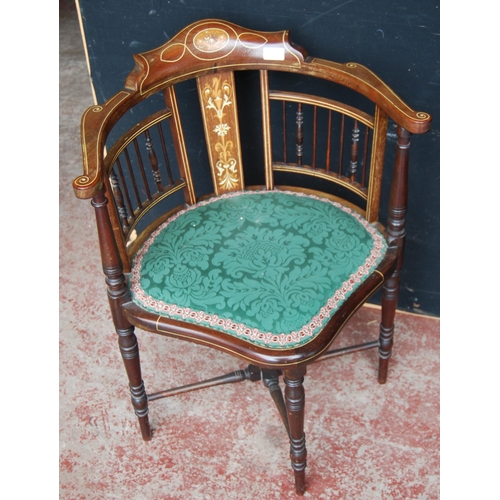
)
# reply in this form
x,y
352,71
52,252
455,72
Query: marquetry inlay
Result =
x,y
218,102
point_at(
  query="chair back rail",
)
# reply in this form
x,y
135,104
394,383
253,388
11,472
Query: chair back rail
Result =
x,y
303,133
137,177
357,175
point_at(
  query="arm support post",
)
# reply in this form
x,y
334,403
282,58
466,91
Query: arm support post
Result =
x,y
118,294
396,234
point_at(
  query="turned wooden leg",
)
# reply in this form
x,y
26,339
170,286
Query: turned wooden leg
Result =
x,y
295,404
396,236
130,354
390,293
118,294
271,381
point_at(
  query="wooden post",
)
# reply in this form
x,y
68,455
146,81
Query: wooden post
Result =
x,y
396,235
299,133
295,404
118,293
153,161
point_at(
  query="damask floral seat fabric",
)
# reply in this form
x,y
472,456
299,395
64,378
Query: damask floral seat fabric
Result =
x,y
270,267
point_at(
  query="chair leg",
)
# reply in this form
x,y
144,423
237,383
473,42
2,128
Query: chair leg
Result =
x,y
390,293
129,349
295,404
398,203
118,294
271,381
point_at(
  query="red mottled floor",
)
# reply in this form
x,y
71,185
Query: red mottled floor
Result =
x,y
365,441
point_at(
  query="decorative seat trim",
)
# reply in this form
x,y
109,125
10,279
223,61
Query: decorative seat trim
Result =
x,y
241,330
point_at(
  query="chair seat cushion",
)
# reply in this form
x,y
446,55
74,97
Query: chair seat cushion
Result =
x,y
269,267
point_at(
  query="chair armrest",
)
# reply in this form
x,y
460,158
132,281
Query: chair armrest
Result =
x,y
361,79
96,123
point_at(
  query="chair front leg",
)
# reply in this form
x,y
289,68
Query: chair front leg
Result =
x,y
295,404
129,349
118,294
390,293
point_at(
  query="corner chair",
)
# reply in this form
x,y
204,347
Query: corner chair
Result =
x,y
237,184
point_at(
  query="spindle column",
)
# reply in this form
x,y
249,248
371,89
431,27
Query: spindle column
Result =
x,y
118,294
396,236
295,405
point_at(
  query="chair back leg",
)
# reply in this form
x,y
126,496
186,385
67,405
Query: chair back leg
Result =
x,y
271,381
398,205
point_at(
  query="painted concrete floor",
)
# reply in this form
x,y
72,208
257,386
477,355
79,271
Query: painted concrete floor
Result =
x,y
365,441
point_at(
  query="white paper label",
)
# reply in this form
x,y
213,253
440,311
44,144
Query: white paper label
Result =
x,y
274,54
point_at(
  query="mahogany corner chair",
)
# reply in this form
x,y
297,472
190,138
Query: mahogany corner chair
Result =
x,y
266,263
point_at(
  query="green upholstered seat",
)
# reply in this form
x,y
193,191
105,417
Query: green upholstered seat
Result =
x,y
270,267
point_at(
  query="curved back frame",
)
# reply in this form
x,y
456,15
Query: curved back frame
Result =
x,y
298,129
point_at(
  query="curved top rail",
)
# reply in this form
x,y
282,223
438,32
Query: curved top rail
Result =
x,y
361,79
211,44
215,44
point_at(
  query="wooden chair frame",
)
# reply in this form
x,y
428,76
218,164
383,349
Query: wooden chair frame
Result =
x,y
211,52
